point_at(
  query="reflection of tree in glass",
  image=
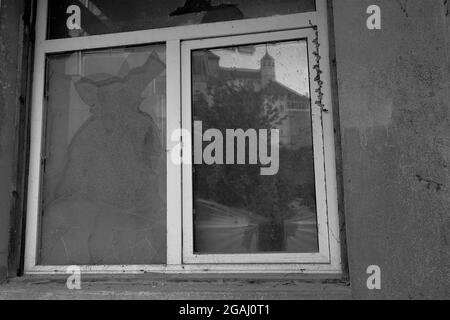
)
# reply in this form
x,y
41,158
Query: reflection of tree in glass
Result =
x,y
230,106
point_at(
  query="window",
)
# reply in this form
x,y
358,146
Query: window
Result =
x,y
106,16
189,138
239,215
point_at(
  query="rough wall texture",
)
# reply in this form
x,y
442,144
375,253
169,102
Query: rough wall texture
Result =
x,y
173,287
10,13
394,112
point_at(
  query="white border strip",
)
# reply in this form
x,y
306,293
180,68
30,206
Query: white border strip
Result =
x,y
328,133
195,269
188,32
32,224
173,120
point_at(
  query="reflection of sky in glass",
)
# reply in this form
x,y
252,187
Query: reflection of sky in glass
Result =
x,y
291,62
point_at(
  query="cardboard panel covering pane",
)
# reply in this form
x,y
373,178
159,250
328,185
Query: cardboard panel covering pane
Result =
x,y
238,209
104,178
93,17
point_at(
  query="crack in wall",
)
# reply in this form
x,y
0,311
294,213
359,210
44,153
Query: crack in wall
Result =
x,y
431,184
404,6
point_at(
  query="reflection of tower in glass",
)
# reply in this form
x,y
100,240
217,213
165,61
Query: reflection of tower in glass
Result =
x,y
267,69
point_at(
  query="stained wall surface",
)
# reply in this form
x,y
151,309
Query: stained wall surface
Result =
x,y
394,115
10,13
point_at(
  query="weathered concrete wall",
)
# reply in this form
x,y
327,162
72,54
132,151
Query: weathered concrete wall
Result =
x,y
10,14
178,287
394,114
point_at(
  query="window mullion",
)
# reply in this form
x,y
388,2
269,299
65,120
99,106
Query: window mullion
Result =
x,y
174,221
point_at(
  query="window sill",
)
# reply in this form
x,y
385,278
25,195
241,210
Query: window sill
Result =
x,y
168,287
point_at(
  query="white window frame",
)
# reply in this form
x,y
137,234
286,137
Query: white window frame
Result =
x,y
179,204
323,256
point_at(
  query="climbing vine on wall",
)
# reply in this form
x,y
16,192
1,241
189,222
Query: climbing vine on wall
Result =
x,y
316,67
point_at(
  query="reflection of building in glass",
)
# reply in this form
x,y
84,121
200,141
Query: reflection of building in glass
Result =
x,y
294,108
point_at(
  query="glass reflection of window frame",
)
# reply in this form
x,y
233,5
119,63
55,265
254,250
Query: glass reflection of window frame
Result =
x,y
173,37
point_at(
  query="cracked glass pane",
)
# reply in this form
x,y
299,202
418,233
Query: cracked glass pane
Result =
x,y
104,180
93,17
238,208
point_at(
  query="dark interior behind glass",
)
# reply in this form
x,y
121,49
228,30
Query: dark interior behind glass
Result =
x,y
110,16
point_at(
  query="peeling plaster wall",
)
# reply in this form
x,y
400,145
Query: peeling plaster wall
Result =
x,y
393,89
10,12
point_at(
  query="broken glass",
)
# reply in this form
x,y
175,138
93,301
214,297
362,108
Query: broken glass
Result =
x,y
104,175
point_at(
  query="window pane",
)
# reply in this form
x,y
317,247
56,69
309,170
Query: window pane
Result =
x,y
104,182
238,209
109,16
